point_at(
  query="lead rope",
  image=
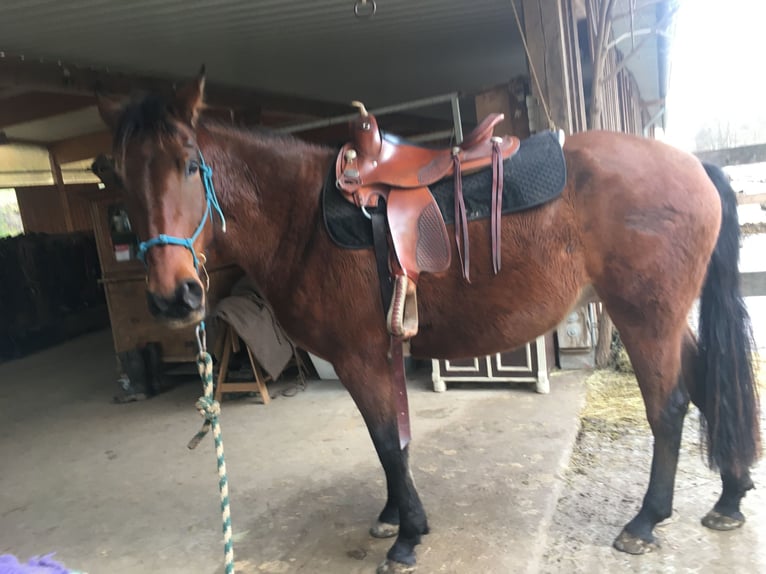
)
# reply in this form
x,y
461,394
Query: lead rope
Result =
x,y
210,409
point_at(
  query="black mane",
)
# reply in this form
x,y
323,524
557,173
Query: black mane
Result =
x,y
145,115
153,116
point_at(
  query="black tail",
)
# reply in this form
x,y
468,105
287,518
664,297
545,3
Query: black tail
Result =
x,y
729,391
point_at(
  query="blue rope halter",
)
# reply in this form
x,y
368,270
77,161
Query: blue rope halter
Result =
x,y
212,204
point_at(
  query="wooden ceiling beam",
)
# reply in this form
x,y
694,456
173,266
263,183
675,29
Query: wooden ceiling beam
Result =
x,y
12,91
22,108
70,79
5,140
81,147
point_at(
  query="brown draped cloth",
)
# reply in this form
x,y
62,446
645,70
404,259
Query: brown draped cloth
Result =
x,y
253,320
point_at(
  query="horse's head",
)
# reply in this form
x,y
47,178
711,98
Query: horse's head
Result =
x,y
168,199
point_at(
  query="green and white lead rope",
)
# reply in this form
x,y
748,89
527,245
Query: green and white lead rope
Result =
x,y
209,408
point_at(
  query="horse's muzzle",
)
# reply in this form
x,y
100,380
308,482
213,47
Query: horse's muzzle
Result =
x,y
185,305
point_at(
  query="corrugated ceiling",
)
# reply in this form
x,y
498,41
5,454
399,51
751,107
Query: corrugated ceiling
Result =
x,y
316,48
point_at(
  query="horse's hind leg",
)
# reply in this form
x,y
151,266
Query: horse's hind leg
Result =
x,y
726,514
657,363
369,383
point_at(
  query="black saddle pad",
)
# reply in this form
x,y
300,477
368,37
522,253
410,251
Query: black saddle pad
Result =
x,y
533,176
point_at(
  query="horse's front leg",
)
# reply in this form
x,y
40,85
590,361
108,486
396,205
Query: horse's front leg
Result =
x,y
368,380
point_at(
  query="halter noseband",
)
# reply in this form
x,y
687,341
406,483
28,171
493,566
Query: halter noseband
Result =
x,y
212,204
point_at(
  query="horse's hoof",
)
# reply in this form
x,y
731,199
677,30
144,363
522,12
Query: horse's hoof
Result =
x,y
391,567
384,530
627,542
717,521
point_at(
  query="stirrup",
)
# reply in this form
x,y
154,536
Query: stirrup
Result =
x,y
402,316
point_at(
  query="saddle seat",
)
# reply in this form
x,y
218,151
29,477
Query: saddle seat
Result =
x,y
374,159
375,165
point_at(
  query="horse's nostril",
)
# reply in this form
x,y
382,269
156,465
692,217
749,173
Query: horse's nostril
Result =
x,y
190,294
157,304
187,298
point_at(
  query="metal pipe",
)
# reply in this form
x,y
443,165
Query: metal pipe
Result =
x,y
456,120
443,134
421,103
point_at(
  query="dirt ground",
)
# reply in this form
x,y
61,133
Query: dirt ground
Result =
x,y
112,488
606,481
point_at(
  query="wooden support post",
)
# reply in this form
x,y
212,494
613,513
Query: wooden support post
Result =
x,y
550,42
544,32
58,179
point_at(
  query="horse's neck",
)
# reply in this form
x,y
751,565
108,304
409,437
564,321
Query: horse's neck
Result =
x,y
270,196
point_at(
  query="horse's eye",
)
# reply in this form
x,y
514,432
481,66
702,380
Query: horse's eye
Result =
x,y
192,167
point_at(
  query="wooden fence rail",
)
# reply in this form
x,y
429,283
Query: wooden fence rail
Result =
x,y
754,284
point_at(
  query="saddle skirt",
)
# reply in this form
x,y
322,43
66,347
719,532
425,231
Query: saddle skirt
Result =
x,y
532,177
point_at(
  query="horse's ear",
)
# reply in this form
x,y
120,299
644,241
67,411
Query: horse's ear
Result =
x,y
109,109
189,99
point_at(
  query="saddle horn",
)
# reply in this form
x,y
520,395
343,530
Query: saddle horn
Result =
x,y
362,110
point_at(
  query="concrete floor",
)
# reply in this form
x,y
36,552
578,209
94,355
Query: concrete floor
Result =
x,y
113,489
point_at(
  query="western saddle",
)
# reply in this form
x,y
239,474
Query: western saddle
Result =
x,y
376,165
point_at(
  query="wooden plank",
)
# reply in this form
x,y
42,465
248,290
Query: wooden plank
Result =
x,y
12,91
41,210
543,28
533,30
82,147
33,106
745,199
572,49
79,205
58,179
754,284
556,66
742,155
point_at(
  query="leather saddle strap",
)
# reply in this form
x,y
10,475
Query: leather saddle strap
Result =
x,y
497,203
401,403
400,392
380,241
461,222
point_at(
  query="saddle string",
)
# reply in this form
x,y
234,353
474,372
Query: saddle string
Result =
x,y
461,221
497,202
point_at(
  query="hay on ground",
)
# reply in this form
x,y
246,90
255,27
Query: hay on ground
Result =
x,y
613,399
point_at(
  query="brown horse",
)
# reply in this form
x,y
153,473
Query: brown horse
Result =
x,y
644,226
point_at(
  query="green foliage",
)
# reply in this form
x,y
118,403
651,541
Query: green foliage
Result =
x,y
10,217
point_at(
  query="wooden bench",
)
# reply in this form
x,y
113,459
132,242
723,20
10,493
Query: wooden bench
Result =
x,y
230,343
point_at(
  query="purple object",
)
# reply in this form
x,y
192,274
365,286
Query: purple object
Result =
x,y
9,564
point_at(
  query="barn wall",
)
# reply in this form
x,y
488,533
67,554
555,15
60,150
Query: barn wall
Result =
x,y
42,209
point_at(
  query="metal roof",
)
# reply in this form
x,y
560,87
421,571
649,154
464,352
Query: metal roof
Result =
x,y
318,48
316,52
